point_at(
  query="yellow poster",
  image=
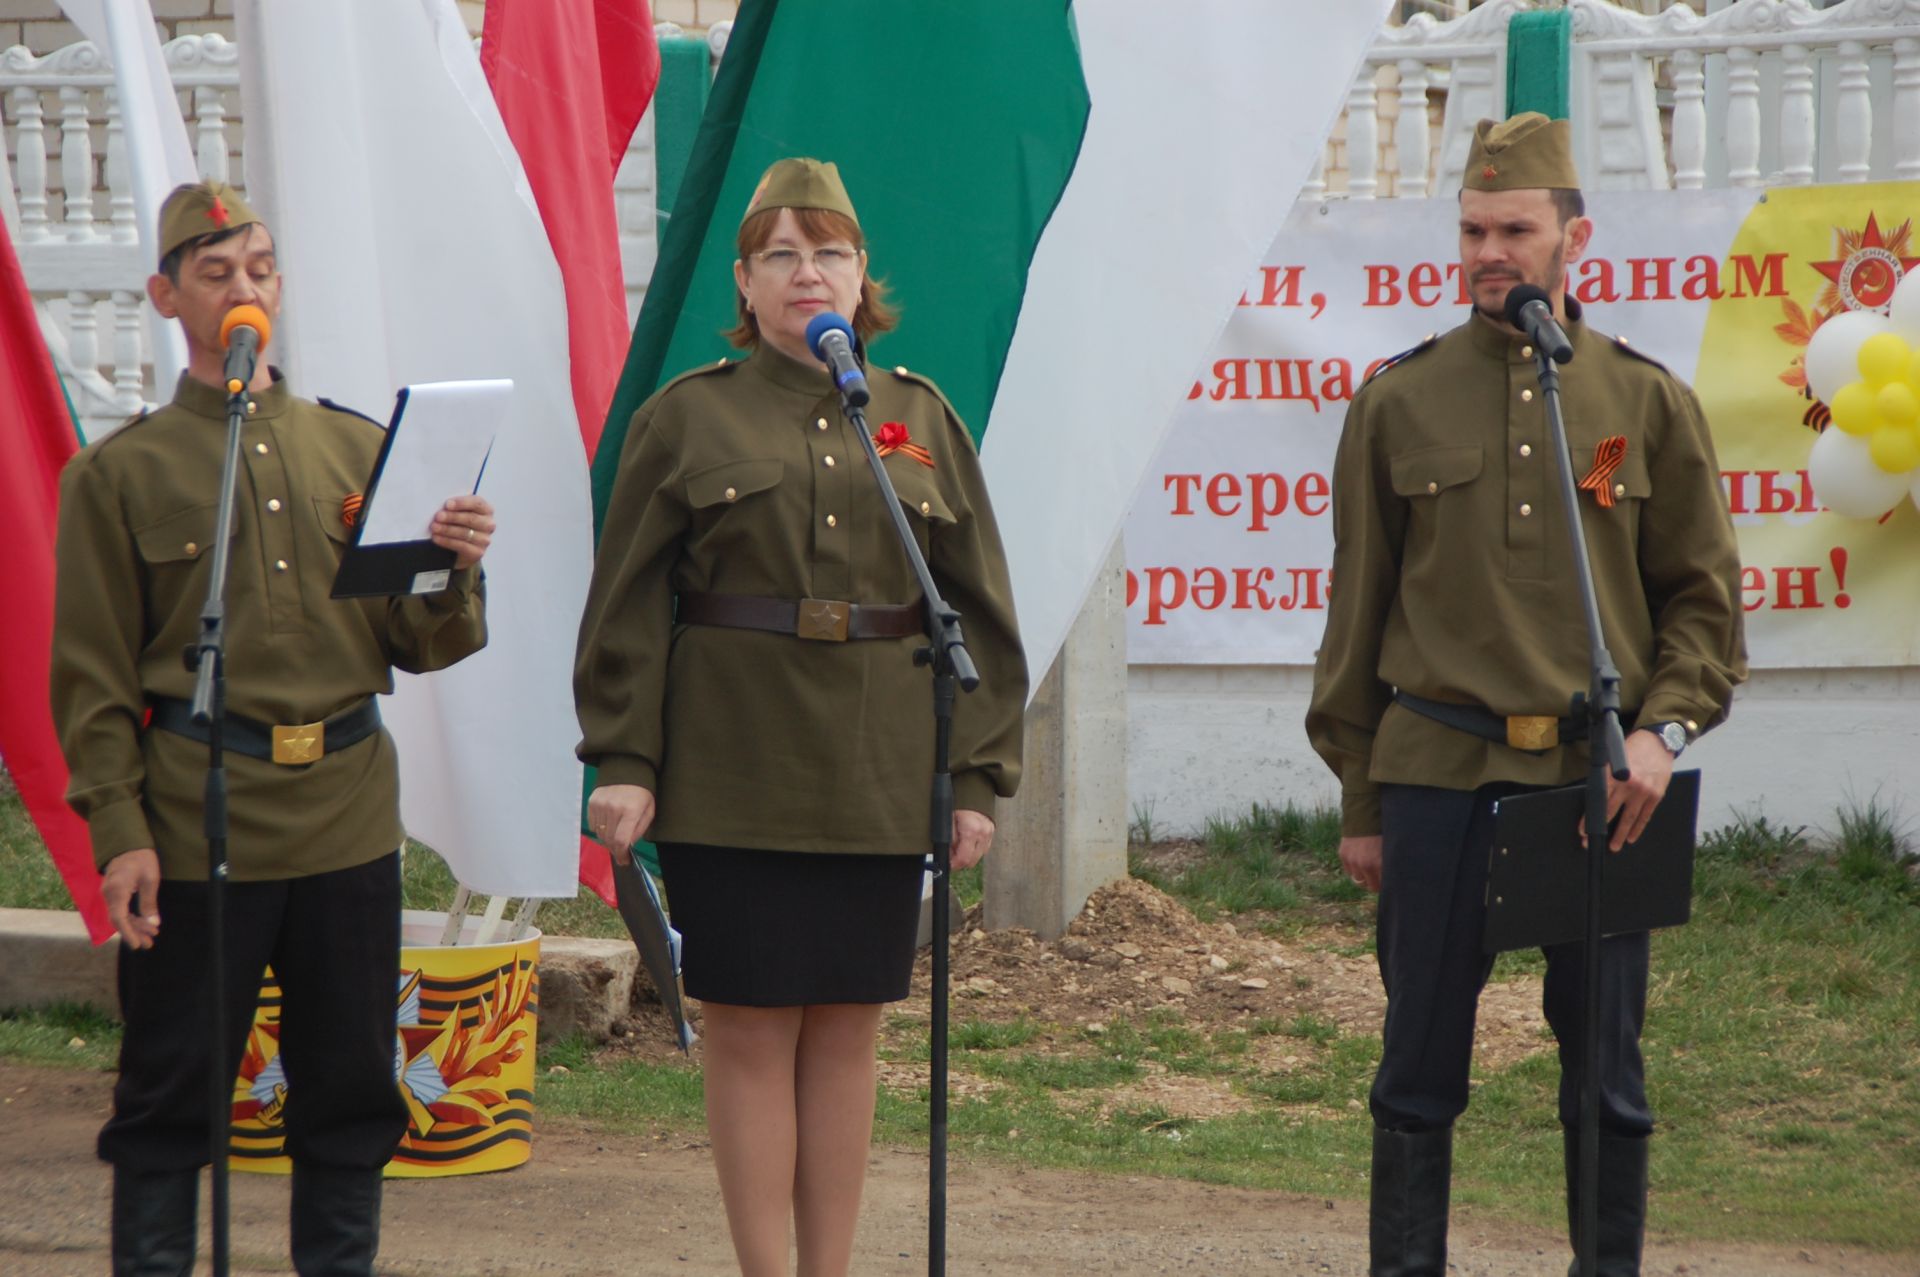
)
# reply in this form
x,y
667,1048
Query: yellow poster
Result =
x,y
463,1059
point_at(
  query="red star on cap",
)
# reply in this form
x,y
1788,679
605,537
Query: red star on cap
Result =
x,y
218,214
1489,173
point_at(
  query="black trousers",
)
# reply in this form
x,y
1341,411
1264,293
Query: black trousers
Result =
x,y
1436,845
334,942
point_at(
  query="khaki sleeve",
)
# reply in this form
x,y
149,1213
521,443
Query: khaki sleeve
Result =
x,y
95,676
1690,568
428,632
620,664
1349,698
970,567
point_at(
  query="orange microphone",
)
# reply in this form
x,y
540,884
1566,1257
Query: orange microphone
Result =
x,y
243,332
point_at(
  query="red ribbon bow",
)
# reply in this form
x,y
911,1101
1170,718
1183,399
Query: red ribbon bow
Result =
x,y
1607,456
893,437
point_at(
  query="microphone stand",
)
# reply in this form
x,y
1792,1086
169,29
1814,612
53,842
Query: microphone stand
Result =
x,y
207,658
1599,705
952,667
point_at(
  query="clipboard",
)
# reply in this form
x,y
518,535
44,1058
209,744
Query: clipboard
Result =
x,y
450,431
658,942
1537,876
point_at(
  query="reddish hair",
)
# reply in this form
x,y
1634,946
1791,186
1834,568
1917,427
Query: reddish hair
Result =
x,y
873,316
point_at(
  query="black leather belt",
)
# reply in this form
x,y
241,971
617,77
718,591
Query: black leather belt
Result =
x,y
1533,733
824,620
290,745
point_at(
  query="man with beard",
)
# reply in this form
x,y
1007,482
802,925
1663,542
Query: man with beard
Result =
x,y
1455,629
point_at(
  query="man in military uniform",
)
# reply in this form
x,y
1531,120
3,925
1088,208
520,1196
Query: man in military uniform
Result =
x,y
314,790
1457,624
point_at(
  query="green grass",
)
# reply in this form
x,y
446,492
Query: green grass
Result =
x,y
1782,1049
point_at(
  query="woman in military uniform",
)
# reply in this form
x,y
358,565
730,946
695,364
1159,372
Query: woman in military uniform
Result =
x,y
747,690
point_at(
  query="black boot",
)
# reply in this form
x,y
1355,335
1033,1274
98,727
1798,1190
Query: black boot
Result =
x,y
1623,1203
336,1220
153,1222
1412,1173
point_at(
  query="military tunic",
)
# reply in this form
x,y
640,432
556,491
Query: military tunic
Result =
x,y
137,514
745,479
1453,579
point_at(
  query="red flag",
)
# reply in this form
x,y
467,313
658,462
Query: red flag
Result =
x,y
36,438
572,78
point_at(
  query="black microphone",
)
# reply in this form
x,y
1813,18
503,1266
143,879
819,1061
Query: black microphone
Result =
x,y
830,338
1531,311
243,331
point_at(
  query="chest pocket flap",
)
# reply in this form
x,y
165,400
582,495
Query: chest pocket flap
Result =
x,y
731,480
181,536
1429,471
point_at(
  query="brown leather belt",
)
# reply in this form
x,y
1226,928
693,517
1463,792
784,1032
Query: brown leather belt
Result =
x,y
822,620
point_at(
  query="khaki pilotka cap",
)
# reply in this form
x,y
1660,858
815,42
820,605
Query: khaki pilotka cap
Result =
x,y
801,183
201,208
1527,152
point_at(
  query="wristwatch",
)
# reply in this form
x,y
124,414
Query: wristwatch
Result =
x,y
1672,735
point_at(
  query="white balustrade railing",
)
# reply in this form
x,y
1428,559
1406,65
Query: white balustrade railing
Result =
x,y
1763,92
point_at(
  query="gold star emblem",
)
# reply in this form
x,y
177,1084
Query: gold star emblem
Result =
x,y
295,746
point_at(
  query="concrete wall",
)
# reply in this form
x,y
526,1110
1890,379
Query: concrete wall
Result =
x,y
1204,740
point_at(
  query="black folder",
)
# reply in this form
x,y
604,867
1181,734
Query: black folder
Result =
x,y
1537,882
393,567
647,923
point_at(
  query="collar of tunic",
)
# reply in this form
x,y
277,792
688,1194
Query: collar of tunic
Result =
x,y
203,400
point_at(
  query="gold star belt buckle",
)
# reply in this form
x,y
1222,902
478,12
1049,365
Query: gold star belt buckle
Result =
x,y
299,745
1533,731
823,620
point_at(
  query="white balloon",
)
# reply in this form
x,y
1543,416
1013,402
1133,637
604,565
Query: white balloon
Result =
x,y
1904,316
1846,480
1834,353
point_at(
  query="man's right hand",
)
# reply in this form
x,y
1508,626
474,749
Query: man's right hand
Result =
x,y
619,816
131,888
1361,857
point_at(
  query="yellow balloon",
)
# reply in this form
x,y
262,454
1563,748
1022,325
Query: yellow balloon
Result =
x,y
1895,449
1883,358
1853,409
1897,404
1913,365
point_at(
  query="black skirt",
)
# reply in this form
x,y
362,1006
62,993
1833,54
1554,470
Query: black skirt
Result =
x,y
781,929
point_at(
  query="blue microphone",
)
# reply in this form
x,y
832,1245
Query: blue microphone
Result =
x,y
830,338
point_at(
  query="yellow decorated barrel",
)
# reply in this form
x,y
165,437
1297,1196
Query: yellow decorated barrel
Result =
x,y
463,1057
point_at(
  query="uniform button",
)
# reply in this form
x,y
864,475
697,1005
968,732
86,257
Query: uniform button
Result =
x,y
832,522
274,505
732,493
1526,352
1526,511
820,424
1619,489
260,448
829,463
1693,728
252,407
926,507
279,565
1526,450
1526,396
193,547
1432,488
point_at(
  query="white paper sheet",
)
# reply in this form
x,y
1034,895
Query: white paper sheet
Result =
x,y
439,447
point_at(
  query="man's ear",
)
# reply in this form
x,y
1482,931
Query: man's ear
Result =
x,y
1579,235
160,292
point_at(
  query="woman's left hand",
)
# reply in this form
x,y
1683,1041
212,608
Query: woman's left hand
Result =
x,y
972,835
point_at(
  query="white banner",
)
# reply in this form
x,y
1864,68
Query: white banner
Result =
x,y
1229,538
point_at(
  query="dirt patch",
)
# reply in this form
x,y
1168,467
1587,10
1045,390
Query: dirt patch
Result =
x,y
1137,955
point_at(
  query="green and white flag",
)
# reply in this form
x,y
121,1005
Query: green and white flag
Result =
x,y
1066,201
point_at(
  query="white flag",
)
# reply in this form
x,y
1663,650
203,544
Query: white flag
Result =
x,y
1203,127
413,252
